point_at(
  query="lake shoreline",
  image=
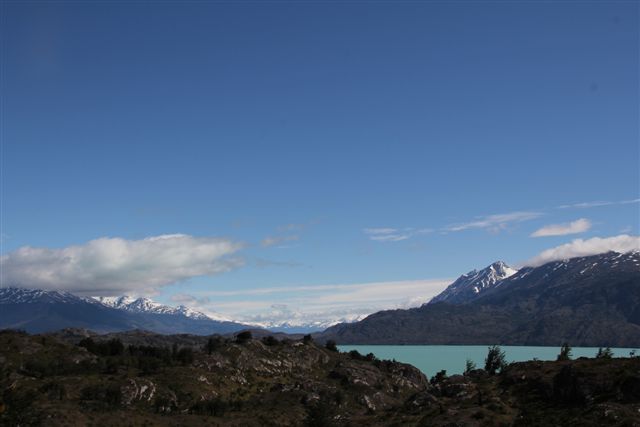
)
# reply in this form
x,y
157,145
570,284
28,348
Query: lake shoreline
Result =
x,y
431,359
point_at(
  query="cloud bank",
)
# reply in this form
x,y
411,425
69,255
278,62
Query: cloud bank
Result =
x,y
578,226
579,247
113,266
320,304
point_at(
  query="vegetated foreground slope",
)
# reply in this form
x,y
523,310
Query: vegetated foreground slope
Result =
x,y
101,381
245,382
587,301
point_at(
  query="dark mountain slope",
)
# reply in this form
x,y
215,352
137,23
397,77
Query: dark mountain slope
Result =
x,y
588,301
42,311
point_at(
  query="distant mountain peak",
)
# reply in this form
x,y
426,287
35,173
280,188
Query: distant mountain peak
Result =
x,y
468,286
502,270
146,305
37,310
27,296
590,301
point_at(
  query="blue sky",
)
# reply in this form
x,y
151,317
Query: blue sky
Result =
x,y
329,143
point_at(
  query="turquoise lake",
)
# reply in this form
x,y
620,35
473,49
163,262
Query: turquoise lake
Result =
x,y
433,358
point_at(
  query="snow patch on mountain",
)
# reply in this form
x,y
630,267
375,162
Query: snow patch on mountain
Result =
x,y
13,295
306,324
468,286
145,305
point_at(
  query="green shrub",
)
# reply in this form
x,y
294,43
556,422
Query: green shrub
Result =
x,y
605,353
439,377
565,352
469,366
495,360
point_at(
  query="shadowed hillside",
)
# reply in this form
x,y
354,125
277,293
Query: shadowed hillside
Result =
x,y
588,301
242,381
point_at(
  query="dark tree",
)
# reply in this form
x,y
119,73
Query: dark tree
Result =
x,y
606,353
331,345
112,347
270,341
438,377
89,344
469,366
174,351
243,337
565,352
320,414
307,339
495,360
213,343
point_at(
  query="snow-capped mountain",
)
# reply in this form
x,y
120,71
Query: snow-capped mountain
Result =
x,y
304,324
469,286
36,310
588,301
145,305
32,296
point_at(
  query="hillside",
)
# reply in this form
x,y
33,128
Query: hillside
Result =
x,y
47,380
587,301
167,380
38,311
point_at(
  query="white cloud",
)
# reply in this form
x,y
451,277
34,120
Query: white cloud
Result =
x,y
627,202
276,240
574,227
390,237
378,231
113,266
394,234
189,300
579,247
586,205
321,303
282,314
495,222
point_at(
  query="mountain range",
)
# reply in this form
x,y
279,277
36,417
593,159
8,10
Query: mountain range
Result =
x,y
42,311
145,305
585,301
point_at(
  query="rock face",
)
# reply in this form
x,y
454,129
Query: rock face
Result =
x,y
51,381
587,301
